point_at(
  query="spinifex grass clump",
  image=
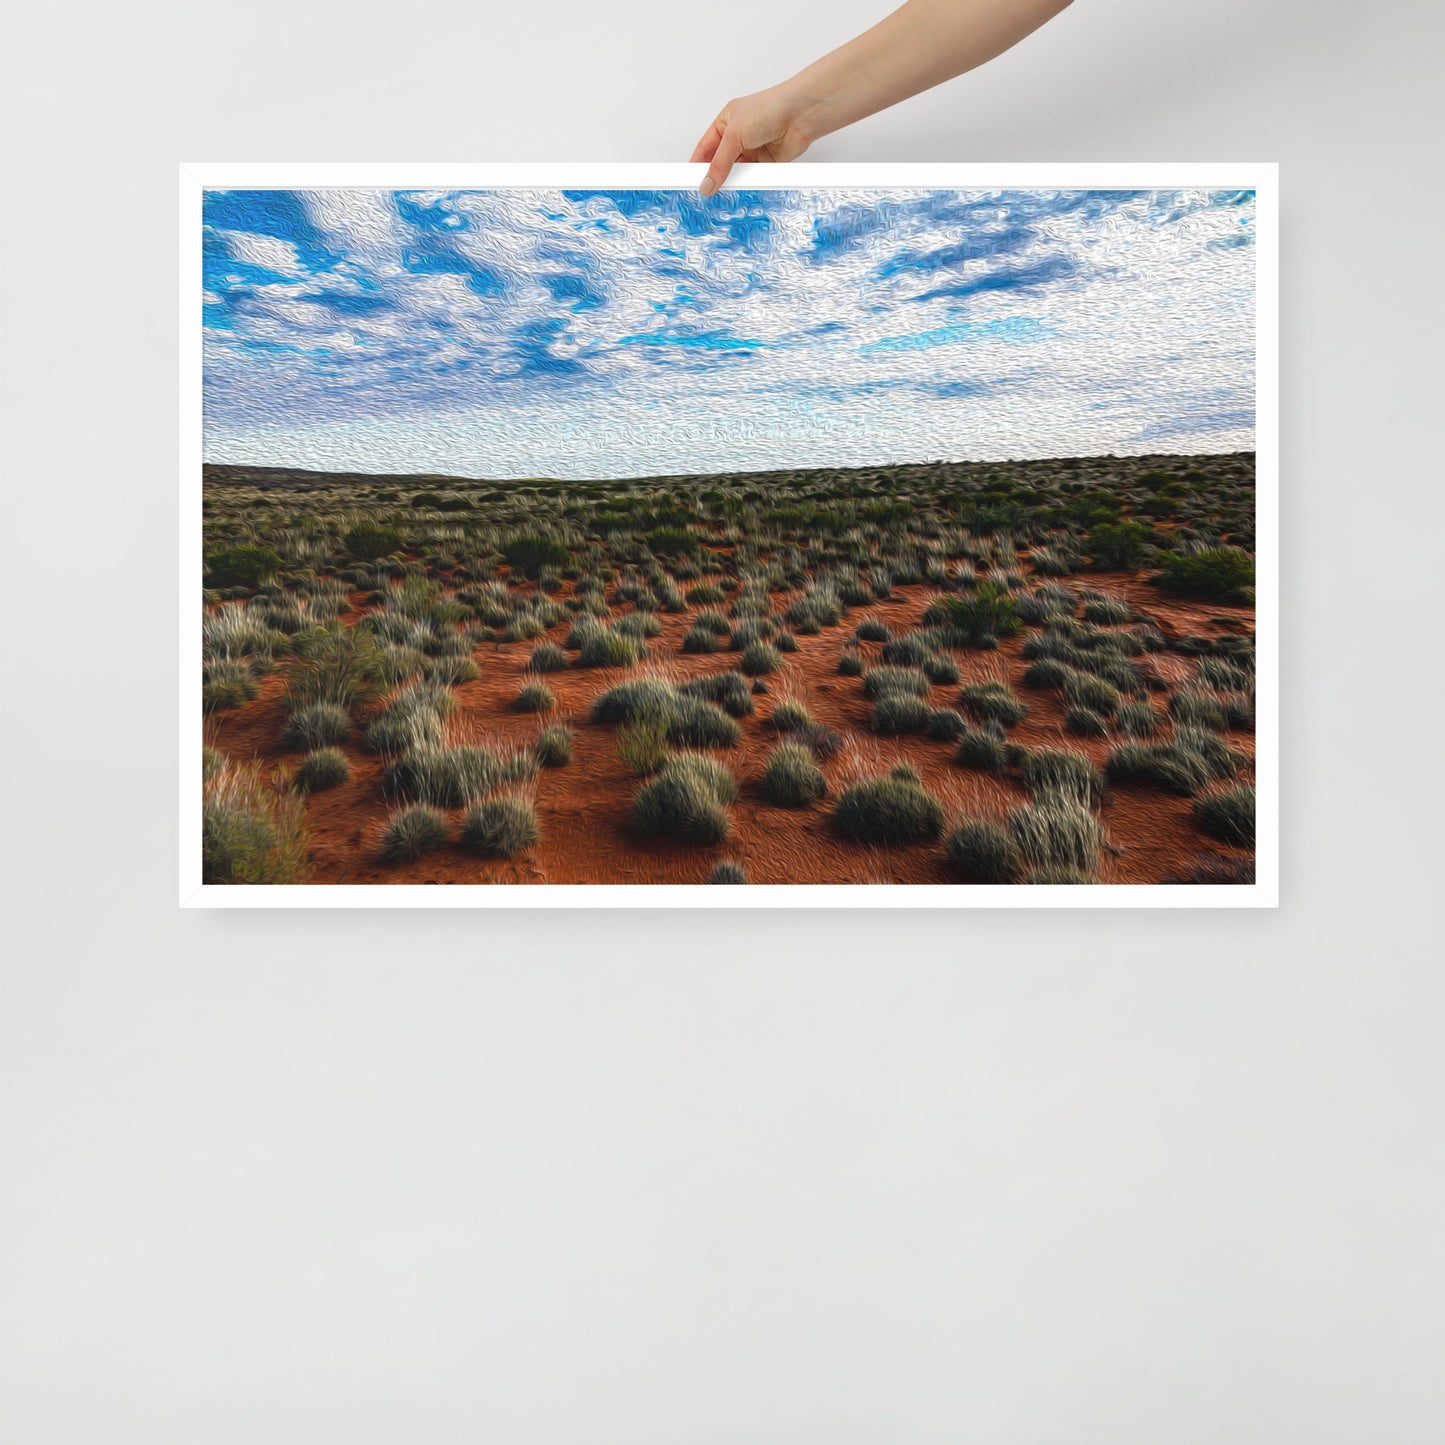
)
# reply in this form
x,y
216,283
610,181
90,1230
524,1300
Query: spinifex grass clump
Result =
x,y
728,872
1064,773
412,832
228,684
1182,766
759,658
501,827
697,723
791,778
896,713
317,725
642,744
1057,834
1138,719
880,680
607,647
893,811
548,658
322,769
444,777
979,851
994,702
412,720
1228,815
789,714
729,690
553,748
535,697
251,832
687,800
945,725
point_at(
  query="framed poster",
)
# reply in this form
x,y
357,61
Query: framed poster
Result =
x,y
858,535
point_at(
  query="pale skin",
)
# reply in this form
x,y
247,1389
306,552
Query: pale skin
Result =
x,y
920,45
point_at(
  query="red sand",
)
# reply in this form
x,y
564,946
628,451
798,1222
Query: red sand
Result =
x,y
583,807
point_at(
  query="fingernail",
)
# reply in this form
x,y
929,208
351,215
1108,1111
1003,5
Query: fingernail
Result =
x,y
708,187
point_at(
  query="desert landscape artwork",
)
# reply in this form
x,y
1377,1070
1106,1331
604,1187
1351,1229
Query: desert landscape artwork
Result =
x,y
806,536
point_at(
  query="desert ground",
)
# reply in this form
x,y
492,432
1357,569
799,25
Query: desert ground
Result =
x,y
954,673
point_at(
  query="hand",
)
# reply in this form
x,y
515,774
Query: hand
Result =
x,y
768,126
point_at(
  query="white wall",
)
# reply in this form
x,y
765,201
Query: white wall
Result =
x,y
811,1180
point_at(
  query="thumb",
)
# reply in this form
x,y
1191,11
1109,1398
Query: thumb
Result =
x,y
729,148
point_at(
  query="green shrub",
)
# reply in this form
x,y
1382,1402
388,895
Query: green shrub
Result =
x,y
535,697
982,852
671,541
368,541
791,778
1220,573
317,726
890,811
994,702
1228,815
553,748
500,827
324,768
251,833
1119,547
412,832
530,552
979,620
244,566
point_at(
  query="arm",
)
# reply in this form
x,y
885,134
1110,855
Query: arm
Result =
x,y
920,45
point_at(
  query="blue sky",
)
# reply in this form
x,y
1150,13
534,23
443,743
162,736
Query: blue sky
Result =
x,y
518,333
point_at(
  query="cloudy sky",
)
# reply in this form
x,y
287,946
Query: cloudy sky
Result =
x,y
516,333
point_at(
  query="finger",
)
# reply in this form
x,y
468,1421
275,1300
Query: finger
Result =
x,y
729,148
707,146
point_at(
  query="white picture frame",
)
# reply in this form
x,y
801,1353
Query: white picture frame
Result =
x,y
196,178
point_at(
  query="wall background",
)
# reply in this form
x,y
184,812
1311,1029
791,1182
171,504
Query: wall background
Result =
x,y
660,1177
